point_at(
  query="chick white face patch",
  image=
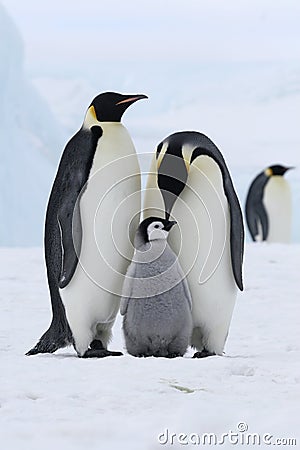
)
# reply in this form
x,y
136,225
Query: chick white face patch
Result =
x,y
156,231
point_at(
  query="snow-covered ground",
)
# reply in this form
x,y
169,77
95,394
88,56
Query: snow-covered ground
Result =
x,y
60,401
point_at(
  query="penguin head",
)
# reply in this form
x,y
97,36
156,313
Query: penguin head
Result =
x,y
277,169
110,106
154,228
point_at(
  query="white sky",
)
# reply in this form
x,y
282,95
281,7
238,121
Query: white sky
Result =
x,y
173,30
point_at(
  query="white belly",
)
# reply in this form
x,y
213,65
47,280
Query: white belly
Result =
x,y
278,204
203,245
109,210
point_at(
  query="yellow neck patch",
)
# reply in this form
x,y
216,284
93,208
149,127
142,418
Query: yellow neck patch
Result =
x,y
93,112
90,118
268,172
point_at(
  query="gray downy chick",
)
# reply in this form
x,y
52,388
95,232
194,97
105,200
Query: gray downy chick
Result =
x,y
156,301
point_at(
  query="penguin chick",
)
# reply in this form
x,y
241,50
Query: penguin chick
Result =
x,y
156,301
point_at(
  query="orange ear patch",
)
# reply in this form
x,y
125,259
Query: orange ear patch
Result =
x,y
93,112
268,172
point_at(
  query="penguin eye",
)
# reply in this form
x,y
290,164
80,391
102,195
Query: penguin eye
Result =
x,y
156,226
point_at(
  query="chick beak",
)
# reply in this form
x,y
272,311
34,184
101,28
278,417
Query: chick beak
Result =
x,y
169,225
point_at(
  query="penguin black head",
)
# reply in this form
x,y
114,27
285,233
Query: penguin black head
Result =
x,y
277,169
172,174
154,228
110,106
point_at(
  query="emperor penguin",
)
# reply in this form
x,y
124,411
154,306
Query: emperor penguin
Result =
x,y
156,302
269,206
96,192
189,180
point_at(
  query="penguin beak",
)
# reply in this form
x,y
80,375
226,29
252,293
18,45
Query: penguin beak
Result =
x,y
131,99
169,225
289,168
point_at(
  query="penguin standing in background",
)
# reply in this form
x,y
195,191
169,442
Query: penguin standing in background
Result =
x,y
269,206
96,193
189,180
156,302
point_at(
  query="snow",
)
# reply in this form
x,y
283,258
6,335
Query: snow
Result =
x,y
124,402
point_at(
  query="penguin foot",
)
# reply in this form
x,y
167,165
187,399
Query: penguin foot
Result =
x,y
203,354
174,355
158,355
97,350
96,344
95,353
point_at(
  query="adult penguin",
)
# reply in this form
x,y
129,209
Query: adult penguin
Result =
x,y
96,193
269,206
189,180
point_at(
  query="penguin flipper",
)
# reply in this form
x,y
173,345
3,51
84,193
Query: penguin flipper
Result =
x,y
256,214
252,222
69,221
68,214
236,236
123,306
263,219
208,148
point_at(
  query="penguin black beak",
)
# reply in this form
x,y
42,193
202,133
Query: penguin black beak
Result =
x,y
289,168
131,99
169,225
